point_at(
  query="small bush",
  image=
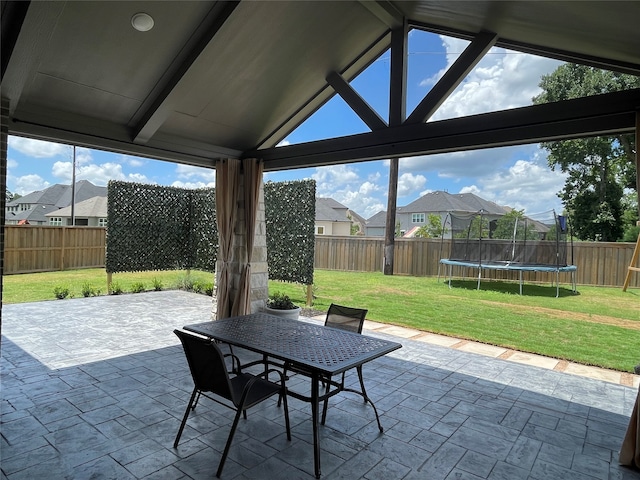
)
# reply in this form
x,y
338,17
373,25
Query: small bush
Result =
x,y
116,288
137,287
89,290
157,284
202,286
197,286
185,283
61,292
280,301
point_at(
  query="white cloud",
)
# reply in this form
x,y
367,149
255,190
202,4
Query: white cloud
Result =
x,y
503,79
364,200
98,174
196,175
139,178
409,183
135,162
528,185
471,163
343,184
328,179
30,183
38,148
83,156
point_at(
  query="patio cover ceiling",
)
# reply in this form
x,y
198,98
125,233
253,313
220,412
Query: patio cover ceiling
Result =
x,y
232,79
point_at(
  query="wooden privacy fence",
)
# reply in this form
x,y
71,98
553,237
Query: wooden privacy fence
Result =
x,y
31,248
42,248
599,263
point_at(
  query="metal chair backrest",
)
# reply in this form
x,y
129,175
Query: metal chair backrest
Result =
x,y
207,365
345,318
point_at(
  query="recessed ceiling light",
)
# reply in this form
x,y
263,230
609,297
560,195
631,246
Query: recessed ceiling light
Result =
x,y
142,22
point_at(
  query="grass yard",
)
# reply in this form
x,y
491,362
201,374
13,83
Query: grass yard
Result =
x,y
598,326
35,287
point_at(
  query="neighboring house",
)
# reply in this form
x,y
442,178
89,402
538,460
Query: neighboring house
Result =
x,y
32,208
331,217
415,215
91,212
376,225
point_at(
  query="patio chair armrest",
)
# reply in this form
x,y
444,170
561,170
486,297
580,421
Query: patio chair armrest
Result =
x,y
236,366
266,373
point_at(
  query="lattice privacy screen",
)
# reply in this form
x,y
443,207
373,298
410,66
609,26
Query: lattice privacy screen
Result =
x,y
151,227
290,210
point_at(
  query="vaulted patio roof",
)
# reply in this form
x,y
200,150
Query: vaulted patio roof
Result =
x,y
231,79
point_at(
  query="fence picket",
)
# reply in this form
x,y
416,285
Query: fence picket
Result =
x,y
34,248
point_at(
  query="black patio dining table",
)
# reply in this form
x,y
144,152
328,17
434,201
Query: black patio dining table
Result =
x,y
321,351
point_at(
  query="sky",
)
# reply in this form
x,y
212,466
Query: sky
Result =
x,y
518,177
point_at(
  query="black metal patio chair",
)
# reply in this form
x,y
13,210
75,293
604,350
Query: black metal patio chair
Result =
x,y
352,320
241,391
345,318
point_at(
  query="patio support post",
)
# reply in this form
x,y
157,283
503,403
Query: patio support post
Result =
x,y
251,185
241,269
4,135
397,115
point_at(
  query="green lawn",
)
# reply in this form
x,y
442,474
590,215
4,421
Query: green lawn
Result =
x,y
598,326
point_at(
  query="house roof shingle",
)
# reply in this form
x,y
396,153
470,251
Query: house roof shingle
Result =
x,y
92,207
328,209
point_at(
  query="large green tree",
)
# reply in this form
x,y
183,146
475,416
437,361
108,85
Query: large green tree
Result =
x,y
598,169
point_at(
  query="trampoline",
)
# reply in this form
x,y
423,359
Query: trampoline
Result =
x,y
479,241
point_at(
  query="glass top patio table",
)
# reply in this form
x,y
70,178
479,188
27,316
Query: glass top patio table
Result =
x,y
322,351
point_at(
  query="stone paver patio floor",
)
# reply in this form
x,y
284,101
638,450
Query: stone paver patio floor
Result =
x,y
95,388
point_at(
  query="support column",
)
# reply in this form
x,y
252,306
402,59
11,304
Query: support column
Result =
x,y
397,115
4,138
259,272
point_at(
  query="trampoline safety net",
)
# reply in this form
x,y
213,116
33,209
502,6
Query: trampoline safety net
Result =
x,y
510,239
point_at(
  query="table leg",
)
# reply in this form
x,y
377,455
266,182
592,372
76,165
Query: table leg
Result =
x,y
315,379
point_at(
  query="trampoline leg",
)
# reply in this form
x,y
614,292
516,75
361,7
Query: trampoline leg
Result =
x,y
479,277
520,282
557,283
450,273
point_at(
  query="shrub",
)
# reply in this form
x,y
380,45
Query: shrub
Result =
x,y
185,283
61,292
89,290
197,286
157,284
116,288
208,289
137,287
280,301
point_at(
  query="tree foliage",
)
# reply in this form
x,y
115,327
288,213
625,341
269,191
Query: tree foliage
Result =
x,y
598,169
478,228
432,229
514,223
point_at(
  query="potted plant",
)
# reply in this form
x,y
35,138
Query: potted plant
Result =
x,y
281,305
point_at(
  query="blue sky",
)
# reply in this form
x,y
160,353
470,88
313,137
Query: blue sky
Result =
x,y
515,176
